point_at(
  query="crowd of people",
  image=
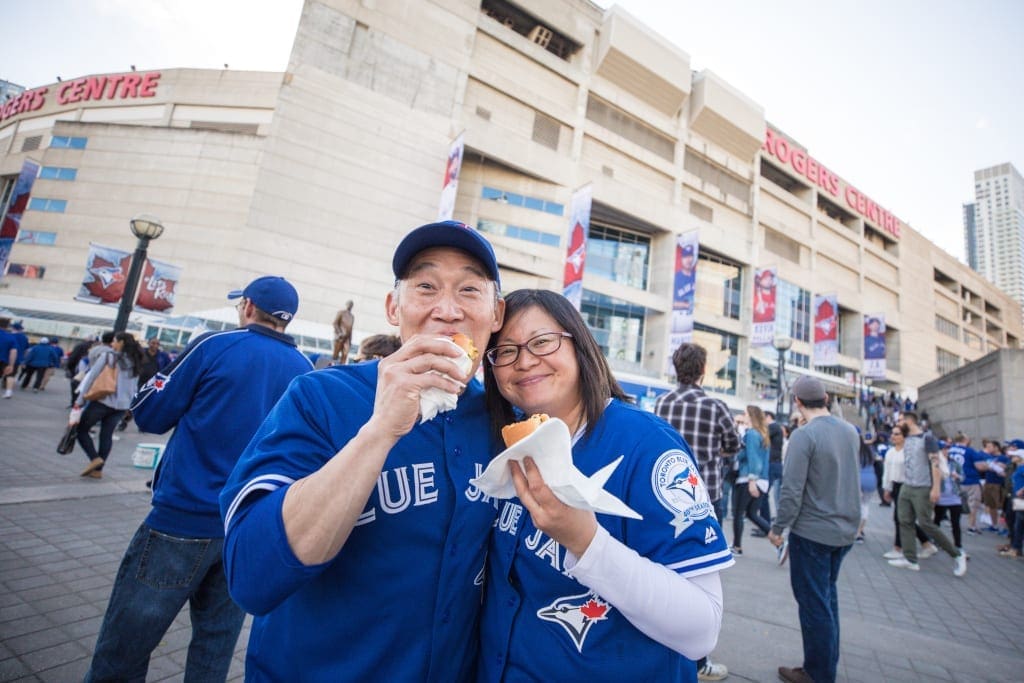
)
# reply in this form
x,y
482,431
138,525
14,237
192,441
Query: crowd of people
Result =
x,y
333,485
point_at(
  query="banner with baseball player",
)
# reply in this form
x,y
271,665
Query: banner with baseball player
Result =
x,y
576,251
450,187
826,329
763,331
874,345
106,270
15,209
684,291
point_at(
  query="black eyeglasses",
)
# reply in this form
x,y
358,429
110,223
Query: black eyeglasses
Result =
x,y
541,345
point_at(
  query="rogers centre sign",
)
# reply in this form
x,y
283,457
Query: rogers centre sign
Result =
x,y
810,168
127,86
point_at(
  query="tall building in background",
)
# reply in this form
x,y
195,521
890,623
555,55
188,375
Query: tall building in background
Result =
x,y
994,228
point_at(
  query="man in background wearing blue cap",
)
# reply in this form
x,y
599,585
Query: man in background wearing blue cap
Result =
x,y
352,532
214,396
20,341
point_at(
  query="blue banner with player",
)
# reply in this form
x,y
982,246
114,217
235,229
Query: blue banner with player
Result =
x,y
684,292
874,345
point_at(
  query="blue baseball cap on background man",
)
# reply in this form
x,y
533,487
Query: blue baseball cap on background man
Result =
x,y
273,295
445,234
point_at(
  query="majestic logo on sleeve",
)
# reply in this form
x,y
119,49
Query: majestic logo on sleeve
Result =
x,y
576,614
679,489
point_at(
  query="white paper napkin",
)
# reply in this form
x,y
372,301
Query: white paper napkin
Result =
x,y
550,446
434,400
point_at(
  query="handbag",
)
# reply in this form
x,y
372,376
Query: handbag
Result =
x,y
67,442
104,385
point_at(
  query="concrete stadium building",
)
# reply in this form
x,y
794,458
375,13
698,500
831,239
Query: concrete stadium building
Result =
x,y
316,173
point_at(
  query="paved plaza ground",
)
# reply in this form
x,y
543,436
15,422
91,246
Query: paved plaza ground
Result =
x,y
62,537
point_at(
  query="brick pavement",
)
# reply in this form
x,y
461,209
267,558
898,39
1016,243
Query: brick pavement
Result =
x,y
62,537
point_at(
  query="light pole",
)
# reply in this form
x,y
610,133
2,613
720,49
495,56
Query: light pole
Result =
x,y
781,344
146,228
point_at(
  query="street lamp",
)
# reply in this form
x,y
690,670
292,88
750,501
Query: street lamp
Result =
x,y
146,228
781,344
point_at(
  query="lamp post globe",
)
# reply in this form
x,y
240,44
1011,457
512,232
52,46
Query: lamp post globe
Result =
x,y
782,344
146,228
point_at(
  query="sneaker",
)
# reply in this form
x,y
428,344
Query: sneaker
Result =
x,y
757,533
960,565
974,532
893,555
712,672
736,550
859,540
7,394
927,551
992,529
794,675
1003,532
783,552
1009,553
904,563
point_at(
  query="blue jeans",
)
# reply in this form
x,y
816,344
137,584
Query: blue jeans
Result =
x,y
158,575
813,571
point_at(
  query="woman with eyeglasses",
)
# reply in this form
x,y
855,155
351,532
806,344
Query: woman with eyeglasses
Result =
x,y
574,595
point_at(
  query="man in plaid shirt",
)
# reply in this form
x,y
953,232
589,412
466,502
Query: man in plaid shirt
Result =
x,y
708,427
704,422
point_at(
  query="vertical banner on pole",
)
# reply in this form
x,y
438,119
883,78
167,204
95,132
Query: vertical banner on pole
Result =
x,y
159,281
106,270
576,252
683,293
15,209
450,187
874,345
763,331
826,329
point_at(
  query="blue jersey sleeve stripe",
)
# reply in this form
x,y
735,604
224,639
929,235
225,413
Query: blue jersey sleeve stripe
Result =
x,y
710,558
708,568
266,482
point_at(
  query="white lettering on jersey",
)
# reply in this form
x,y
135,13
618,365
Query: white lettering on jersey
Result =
x,y
396,491
577,614
475,494
710,535
508,520
680,490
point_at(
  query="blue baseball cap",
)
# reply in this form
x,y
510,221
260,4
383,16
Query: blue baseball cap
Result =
x,y
17,325
445,234
273,295
687,250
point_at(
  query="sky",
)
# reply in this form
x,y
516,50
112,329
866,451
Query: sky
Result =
x,y
904,99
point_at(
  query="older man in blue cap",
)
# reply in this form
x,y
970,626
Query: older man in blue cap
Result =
x,y
369,539
214,396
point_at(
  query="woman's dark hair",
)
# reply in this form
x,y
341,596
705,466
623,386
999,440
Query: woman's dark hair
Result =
x,y
597,384
131,350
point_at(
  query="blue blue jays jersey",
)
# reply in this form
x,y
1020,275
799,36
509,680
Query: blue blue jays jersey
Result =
x,y
400,602
539,623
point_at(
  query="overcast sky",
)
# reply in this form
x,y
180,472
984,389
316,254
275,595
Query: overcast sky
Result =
x,y
903,98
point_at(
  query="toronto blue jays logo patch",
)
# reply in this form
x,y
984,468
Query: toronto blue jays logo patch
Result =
x,y
576,614
680,490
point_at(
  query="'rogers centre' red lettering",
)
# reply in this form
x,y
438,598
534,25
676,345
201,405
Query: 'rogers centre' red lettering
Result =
x,y
87,89
807,166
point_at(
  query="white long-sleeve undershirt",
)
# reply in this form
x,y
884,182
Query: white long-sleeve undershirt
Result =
x,y
682,613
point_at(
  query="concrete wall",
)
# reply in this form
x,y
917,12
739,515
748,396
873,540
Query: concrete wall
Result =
x,y
984,399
